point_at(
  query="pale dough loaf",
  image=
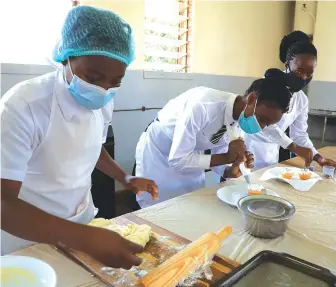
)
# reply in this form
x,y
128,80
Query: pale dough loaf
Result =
x,y
139,234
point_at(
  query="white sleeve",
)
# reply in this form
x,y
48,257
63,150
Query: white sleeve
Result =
x,y
298,130
17,136
182,156
275,134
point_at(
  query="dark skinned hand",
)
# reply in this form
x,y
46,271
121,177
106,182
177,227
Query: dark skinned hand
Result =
x,y
234,170
324,161
110,248
305,153
139,185
236,150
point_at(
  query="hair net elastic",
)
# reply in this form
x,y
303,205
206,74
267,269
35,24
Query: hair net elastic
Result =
x,y
93,31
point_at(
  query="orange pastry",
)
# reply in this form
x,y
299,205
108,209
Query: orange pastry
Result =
x,y
305,176
287,175
254,192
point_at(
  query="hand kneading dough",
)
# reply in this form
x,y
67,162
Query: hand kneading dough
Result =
x,y
139,234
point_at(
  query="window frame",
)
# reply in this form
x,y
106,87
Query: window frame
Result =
x,y
184,58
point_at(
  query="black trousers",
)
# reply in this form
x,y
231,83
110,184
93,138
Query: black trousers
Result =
x,y
284,154
103,186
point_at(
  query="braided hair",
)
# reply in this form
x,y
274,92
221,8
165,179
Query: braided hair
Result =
x,y
295,43
273,88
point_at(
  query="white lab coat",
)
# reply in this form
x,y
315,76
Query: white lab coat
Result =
x,y
171,152
265,145
58,176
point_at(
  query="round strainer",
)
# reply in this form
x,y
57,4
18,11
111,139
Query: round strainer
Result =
x,y
265,216
266,207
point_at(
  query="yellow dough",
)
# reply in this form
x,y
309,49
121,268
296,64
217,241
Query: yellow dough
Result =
x,y
100,222
139,234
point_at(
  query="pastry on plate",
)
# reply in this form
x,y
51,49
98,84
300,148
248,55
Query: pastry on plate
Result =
x,y
305,175
287,175
254,192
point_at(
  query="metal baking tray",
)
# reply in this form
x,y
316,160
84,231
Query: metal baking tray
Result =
x,y
268,268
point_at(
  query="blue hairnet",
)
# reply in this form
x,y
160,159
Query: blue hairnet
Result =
x,y
93,31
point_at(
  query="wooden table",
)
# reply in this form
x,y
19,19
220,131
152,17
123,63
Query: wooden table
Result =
x,y
311,234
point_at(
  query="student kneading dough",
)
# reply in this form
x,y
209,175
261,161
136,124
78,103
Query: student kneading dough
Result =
x,y
139,234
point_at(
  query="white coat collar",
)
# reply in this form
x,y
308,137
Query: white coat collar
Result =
x,y
228,119
67,103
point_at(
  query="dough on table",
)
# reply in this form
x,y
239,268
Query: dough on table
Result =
x,y
100,222
139,234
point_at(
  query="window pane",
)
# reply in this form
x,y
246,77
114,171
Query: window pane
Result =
x,y
165,35
30,29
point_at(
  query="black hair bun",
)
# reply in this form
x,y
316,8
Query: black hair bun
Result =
x,y
277,75
290,39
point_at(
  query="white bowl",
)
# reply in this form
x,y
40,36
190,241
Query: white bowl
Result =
x,y
40,274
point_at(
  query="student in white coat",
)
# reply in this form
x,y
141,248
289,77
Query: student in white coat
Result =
x,y
171,150
52,130
300,57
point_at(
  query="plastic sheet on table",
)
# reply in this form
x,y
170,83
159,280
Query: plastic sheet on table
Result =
x,y
131,277
201,271
315,221
247,246
172,249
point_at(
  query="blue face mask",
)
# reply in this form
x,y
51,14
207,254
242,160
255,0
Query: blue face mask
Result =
x,y
89,96
249,125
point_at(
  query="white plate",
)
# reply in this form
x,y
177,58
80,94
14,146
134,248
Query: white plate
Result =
x,y
231,194
39,273
296,182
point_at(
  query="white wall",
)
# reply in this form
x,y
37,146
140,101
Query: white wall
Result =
x,y
239,38
325,41
305,17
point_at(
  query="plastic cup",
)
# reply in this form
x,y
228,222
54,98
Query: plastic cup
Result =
x,y
328,171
